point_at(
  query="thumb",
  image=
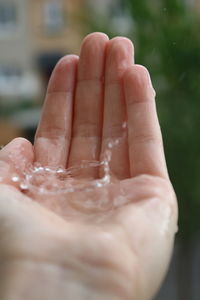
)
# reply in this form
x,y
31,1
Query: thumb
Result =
x,y
14,159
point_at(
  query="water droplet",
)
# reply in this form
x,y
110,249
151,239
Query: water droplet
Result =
x,y
47,169
124,125
15,179
99,184
60,171
23,186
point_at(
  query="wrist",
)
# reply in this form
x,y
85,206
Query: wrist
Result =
x,y
33,280
37,280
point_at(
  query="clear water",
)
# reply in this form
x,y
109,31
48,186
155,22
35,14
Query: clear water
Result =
x,y
58,180
66,189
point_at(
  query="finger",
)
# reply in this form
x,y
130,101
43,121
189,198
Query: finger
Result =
x,y
53,135
145,140
87,124
15,158
119,57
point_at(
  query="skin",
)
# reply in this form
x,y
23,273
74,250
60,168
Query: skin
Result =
x,y
52,247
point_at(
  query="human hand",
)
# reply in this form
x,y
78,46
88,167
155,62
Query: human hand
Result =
x,y
113,241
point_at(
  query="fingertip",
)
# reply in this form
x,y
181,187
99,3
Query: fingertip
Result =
x,y
95,36
18,142
19,147
120,55
138,74
15,157
93,43
65,61
121,52
63,72
138,85
92,56
121,41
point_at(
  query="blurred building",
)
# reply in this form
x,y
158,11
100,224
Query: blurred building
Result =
x,y
56,31
33,36
15,50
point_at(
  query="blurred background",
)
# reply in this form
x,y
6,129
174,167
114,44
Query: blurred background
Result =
x,y
34,34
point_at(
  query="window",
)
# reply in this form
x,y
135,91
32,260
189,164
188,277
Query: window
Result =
x,y
10,77
8,16
53,16
16,82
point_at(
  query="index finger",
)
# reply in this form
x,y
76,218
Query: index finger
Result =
x,y
53,136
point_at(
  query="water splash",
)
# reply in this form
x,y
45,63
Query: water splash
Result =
x,y
62,189
59,180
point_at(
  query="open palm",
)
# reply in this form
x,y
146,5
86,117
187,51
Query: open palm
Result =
x,y
123,229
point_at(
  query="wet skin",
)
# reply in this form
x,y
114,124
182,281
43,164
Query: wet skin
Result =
x,y
52,250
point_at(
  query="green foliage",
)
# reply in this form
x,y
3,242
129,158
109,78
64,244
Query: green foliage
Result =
x,y
8,109
167,42
171,33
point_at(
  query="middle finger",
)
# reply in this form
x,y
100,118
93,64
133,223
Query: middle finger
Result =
x,y
88,107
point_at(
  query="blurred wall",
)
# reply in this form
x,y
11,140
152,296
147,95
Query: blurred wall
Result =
x,y
34,34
